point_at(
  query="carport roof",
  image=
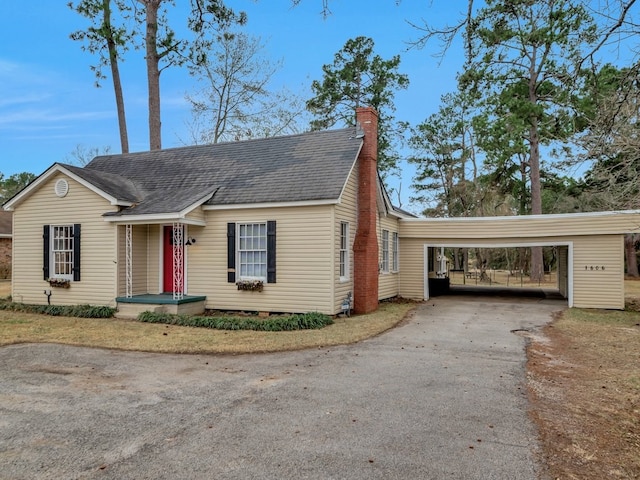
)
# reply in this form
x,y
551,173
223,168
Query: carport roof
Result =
x,y
522,227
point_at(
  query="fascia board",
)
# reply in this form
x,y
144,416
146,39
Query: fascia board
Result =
x,y
156,218
515,218
353,167
46,175
246,206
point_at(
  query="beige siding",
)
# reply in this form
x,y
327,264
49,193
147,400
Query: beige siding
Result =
x,y
98,245
592,288
197,215
139,259
598,287
304,269
412,268
388,282
563,270
521,226
345,211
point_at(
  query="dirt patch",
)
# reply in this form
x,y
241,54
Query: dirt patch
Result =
x,y
584,384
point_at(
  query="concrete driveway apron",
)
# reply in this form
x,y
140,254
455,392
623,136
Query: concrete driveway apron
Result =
x,y
442,396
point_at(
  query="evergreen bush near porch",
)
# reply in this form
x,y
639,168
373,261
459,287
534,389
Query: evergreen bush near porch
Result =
x,y
82,311
304,321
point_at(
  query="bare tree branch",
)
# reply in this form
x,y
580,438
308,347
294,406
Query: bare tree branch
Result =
x,y
622,19
446,34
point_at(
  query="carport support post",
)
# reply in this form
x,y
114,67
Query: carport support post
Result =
x,y
365,247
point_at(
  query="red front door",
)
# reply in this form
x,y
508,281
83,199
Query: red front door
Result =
x,y
168,250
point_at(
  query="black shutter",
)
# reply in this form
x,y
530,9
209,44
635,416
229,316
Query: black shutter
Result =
x,y
46,246
271,251
76,252
231,252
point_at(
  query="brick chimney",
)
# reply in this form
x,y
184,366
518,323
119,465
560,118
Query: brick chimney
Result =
x,y
365,248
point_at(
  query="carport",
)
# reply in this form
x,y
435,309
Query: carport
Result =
x,y
590,249
565,252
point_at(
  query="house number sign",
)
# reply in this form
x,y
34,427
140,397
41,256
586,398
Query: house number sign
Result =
x,y
594,267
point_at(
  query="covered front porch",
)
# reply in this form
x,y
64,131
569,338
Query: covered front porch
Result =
x,y
152,269
131,307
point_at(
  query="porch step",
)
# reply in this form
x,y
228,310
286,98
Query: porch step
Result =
x,y
131,307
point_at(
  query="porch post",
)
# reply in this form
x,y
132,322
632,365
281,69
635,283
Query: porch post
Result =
x,y
178,262
128,240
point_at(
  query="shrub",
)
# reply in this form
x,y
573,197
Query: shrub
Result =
x,y
305,321
82,311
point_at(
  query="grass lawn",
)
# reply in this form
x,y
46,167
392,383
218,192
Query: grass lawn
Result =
x,y
114,333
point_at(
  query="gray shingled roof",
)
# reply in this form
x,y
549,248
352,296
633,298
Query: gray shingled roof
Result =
x,y
115,185
311,166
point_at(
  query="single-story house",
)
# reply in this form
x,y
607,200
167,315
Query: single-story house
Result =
x,y
287,224
6,225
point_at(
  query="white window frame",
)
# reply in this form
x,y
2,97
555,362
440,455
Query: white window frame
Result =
x,y
344,259
61,252
395,264
385,251
245,251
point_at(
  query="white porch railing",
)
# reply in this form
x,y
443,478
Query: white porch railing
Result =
x,y
178,261
128,236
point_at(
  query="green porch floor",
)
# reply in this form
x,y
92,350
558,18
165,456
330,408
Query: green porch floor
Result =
x,y
161,299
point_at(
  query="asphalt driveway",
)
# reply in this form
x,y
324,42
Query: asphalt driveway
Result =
x,y
440,397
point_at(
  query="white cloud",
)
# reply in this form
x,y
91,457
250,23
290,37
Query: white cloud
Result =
x,y
37,102
22,99
50,116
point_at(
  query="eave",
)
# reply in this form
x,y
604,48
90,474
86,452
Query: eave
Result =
x,y
159,218
50,172
304,203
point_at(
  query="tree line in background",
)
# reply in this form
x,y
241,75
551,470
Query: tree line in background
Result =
x,y
536,99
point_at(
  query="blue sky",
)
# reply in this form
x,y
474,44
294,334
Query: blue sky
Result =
x,y
49,104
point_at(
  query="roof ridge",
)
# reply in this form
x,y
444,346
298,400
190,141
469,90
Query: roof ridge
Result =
x,y
213,145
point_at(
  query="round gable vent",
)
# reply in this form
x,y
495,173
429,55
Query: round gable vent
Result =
x,y
62,187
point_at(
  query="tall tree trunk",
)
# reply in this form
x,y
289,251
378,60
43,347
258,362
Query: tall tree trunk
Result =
x,y
115,75
465,260
630,255
153,73
537,266
537,260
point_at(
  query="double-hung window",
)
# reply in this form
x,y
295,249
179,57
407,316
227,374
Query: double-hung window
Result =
x,y
344,251
61,252
252,250
385,251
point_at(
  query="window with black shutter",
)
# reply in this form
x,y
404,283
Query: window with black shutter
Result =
x,y
61,252
251,251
